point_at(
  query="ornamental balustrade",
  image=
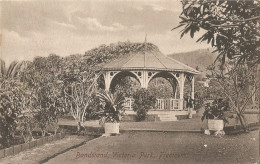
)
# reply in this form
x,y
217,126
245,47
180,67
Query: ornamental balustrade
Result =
x,y
161,104
168,104
128,103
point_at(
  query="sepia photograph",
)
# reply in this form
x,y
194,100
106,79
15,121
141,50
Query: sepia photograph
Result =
x,y
129,81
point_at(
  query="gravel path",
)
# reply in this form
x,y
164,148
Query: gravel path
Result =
x,y
159,147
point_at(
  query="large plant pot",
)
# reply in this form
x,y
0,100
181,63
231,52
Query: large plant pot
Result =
x,y
215,125
111,128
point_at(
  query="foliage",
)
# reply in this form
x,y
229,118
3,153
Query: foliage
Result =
x,y
12,101
79,96
113,106
104,53
125,84
26,124
237,83
199,100
93,108
216,110
10,73
43,79
143,101
232,27
161,88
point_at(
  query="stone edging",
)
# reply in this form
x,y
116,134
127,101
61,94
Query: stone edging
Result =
x,y
13,150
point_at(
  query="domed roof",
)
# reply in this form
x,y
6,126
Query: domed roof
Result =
x,y
148,60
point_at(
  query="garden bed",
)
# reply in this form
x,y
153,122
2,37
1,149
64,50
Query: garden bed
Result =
x,y
238,128
91,131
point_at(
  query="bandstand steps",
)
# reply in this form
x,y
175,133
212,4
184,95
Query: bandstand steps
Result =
x,y
167,117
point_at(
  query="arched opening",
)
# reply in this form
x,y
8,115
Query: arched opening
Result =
x,y
125,82
164,85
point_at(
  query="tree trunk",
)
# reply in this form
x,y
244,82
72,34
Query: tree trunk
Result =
x,y
43,132
242,122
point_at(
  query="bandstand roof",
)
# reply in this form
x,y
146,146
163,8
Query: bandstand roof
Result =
x,y
148,60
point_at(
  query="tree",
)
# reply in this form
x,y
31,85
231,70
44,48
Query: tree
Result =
x,y
79,96
232,27
43,79
12,100
238,84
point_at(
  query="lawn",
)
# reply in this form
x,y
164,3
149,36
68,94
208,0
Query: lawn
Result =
x,y
159,147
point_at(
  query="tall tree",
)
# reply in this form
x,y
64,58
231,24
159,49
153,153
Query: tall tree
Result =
x,y
12,100
231,27
234,82
43,78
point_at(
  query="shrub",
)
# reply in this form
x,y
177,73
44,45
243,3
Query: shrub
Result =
x,y
113,106
143,101
199,100
216,110
93,109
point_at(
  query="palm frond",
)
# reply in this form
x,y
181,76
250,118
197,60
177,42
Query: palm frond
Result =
x,y
11,69
104,96
2,67
119,99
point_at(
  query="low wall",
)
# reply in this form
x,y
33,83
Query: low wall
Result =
x,y
13,150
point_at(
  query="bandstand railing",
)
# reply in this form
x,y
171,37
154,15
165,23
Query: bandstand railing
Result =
x,y
161,104
168,104
129,103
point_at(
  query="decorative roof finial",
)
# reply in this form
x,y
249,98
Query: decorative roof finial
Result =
x,y
145,38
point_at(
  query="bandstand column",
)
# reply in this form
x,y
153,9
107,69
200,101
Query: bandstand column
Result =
x,y
192,88
181,90
144,79
107,80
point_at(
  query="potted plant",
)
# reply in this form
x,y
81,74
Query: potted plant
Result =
x,y
214,113
112,111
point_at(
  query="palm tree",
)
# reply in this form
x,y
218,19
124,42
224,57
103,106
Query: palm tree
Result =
x,y
11,72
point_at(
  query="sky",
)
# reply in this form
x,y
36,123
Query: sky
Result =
x,y
39,28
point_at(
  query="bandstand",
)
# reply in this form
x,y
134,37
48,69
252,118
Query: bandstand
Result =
x,y
147,65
